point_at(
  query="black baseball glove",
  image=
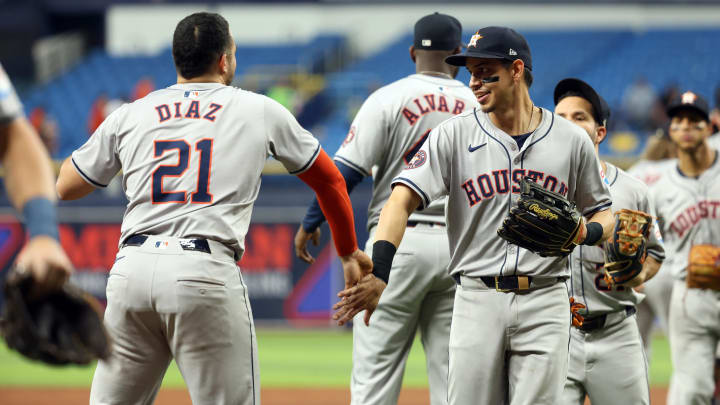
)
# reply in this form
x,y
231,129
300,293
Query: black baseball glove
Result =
x,y
60,327
626,250
543,222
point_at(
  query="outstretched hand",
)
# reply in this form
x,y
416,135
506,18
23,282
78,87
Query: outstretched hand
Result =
x,y
302,238
355,266
365,295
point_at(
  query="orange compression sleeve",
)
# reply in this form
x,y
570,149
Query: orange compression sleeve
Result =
x,y
329,186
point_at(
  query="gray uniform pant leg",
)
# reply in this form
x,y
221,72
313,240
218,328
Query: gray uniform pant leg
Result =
x,y
508,348
420,294
655,304
694,331
608,365
188,304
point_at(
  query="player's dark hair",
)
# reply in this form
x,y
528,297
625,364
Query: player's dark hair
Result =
x,y
527,74
200,40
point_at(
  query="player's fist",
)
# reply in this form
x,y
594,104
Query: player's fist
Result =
x,y
46,262
302,237
365,295
355,266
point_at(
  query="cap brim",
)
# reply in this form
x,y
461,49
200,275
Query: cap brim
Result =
x,y
674,110
461,59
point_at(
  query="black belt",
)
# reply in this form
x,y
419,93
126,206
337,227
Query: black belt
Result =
x,y
198,245
598,322
412,224
508,283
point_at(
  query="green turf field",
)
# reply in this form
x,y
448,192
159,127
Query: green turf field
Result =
x,y
288,358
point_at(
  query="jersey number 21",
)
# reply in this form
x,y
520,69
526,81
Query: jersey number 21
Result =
x,y
201,195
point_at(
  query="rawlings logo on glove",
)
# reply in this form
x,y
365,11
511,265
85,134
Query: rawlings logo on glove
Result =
x,y
543,222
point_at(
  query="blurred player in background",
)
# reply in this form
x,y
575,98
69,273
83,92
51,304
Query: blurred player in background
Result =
x,y
191,156
29,182
607,360
389,129
687,201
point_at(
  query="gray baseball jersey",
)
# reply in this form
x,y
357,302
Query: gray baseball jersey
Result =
x,y
714,140
191,156
650,171
10,106
390,128
586,262
689,213
479,167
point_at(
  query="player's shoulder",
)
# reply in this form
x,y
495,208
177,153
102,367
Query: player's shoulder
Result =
x,y
630,182
460,121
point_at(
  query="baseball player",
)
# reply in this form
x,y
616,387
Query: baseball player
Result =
x,y
511,318
29,183
659,158
686,201
607,361
191,156
388,130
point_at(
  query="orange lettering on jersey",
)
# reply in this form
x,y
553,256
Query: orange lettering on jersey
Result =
x,y
194,110
459,107
442,104
410,116
163,112
694,214
430,100
423,110
210,116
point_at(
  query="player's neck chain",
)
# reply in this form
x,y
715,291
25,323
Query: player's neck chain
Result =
x,y
532,111
434,73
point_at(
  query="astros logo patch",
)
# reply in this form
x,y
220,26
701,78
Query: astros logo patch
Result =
x,y
350,136
417,160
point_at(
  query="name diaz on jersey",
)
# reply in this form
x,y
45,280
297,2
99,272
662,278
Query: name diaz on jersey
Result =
x,y
693,214
190,111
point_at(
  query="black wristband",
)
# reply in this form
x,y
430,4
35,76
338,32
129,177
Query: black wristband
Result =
x,y
594,233
382,257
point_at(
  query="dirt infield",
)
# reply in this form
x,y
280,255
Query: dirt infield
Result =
x,y
270,396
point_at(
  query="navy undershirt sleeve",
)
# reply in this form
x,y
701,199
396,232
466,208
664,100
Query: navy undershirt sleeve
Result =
x,y
314,216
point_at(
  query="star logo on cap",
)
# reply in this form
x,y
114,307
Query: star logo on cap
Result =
x,y
474,39
689,97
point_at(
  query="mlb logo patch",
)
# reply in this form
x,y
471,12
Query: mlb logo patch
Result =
x,y
161,245
192,94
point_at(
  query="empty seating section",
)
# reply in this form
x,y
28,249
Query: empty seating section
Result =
x,y
610,60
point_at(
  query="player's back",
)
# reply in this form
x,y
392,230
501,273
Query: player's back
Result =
x,y
392,125
192,155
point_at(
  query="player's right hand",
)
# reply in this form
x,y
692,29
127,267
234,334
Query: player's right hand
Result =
x,y
365,295
301,240
355,266
46,261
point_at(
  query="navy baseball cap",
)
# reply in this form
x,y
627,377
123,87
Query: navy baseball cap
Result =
x,y
601,110
438,32
689,101
495,43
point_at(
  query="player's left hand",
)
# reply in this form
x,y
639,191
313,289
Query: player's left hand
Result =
x,y
363,296
355,266
575,307
45,260
302,237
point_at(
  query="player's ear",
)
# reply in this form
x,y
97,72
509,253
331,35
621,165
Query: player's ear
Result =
x,y
516,69
412,53
224,63
600,134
